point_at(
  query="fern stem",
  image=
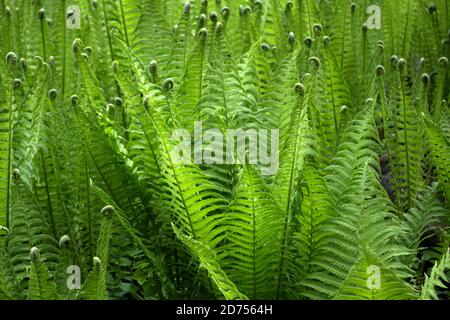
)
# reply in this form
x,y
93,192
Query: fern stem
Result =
x,y
336,125
253,234
405,41
384,111
187,34
105,19
108,34
88,208
364,45
47,192
63,76
124,23
202,58
58,185
390,27
408,173
309,17
10,133
44,50
299,10
343,41
446,15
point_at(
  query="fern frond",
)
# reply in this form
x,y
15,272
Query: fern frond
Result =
x,y
41,286
208,261
251,256
434,280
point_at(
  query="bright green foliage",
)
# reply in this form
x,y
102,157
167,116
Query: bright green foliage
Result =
x,y
436,278
359,205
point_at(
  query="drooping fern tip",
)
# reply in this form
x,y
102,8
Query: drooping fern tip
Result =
x,y
34,254
97,262
289,6
107,211
308,41
291,38
219,27
425,77
245,11
265,47
77,44
369,101
225,12
380,45
74,100
17,83
52,94
85,56
118,101
213,17
443,62
11,58
64,241
153,68
432,9
16,174
88,50
146,102
379,70
299,88
364,27
401,64
167,84
41,14
187,8
306,76
115,66
317,27
314,62
394,60
203,34
24,64
202,21
258,5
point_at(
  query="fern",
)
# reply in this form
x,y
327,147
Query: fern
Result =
x,y
356,206
208,261
437,275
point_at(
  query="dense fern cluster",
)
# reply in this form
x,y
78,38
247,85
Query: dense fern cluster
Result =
x,y
88,180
